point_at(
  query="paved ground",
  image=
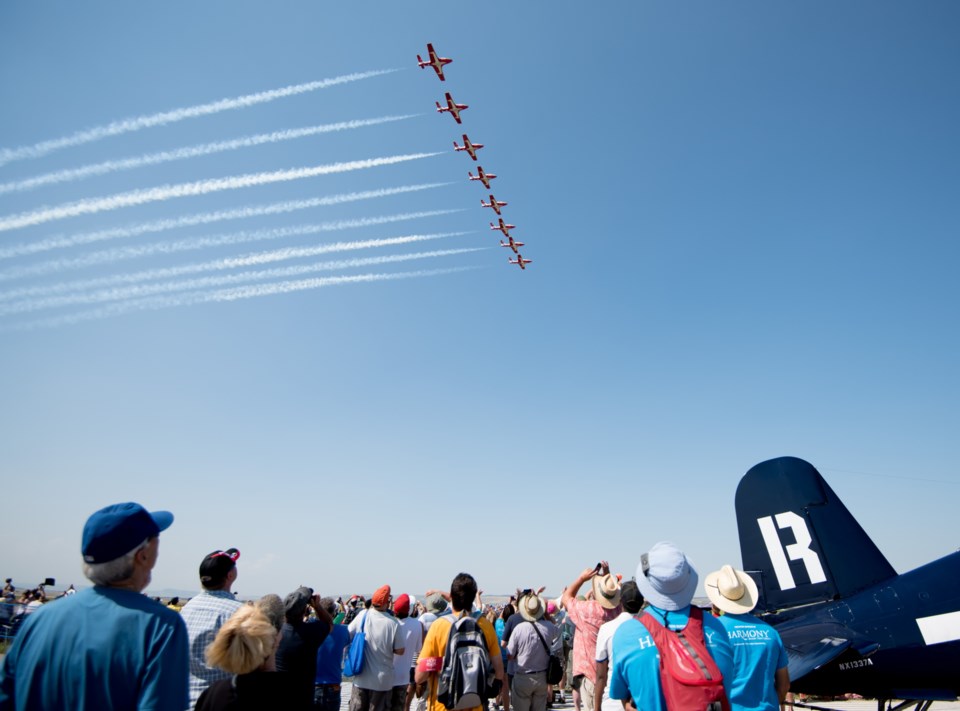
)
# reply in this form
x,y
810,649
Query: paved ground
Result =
x,y
862,705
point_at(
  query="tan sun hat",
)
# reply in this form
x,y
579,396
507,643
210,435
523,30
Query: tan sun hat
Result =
x,y
531,607
731,590
606,590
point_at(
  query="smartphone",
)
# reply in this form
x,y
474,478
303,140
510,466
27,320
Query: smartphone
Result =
x,y
597,570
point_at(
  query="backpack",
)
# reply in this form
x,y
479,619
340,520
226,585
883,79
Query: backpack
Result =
x,y
467,676
689,678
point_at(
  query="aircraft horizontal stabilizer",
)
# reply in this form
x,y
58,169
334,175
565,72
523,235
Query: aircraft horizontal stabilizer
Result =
x,y
810,646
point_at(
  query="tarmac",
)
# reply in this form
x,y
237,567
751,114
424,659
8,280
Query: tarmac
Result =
x,y
858,705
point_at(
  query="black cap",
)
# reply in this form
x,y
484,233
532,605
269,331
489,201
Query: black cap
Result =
x,y
216,566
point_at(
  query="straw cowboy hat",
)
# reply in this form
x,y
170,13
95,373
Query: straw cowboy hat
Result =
x,y
531,607
606,590
731,590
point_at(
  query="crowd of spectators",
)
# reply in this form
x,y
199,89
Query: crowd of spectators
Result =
x,y
110,646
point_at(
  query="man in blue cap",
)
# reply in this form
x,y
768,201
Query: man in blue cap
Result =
x,y
109,646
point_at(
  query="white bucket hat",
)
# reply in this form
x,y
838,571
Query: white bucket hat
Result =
x,y
731,590
666,578
606,591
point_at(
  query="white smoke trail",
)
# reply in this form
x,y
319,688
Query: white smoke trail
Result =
x,y
199,187
144,290
195,243
115,128
246,260
221,295
204,218
112,166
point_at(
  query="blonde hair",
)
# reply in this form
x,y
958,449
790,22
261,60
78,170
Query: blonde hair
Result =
x,y
244,642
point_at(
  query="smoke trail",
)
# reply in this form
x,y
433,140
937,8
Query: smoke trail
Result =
x,y
115,128
231,294
121,253
199,187
206,149
143,290
204,218
246,260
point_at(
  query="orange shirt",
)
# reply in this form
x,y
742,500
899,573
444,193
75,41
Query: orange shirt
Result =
x,y
435,645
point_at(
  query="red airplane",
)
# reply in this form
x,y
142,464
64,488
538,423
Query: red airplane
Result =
x,y
484,178
435,61
502,227
452,107
494,203
520,261
512,244
470,148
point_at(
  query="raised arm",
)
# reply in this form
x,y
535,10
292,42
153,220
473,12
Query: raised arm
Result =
x,y
573,588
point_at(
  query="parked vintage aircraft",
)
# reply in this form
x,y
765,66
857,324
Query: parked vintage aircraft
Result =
x,y
435,61
849,622
512,244
520,261
484,178
503,227
494,203
451,107
470,148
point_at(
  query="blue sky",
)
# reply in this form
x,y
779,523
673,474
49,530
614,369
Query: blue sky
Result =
x,y
743,222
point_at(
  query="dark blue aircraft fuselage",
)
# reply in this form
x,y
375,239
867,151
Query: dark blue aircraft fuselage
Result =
x,y
904,665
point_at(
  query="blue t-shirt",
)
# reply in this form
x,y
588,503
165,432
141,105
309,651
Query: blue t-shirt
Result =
x,y
636,663
498,627
103,648
330,655
758,653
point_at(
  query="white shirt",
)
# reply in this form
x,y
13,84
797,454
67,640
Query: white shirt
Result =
x,y
604,653
411,635
382,636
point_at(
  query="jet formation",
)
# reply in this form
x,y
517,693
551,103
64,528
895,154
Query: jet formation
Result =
x,y
437,63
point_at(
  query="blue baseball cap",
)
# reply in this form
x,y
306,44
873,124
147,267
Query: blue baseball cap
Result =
x,y
116,530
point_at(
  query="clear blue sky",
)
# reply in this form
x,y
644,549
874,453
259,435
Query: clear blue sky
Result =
x,y
743,220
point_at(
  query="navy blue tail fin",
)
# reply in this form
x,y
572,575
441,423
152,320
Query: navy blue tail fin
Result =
x,y
798,540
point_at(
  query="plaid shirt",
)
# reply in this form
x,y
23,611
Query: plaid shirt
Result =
x,y
587,616
204,615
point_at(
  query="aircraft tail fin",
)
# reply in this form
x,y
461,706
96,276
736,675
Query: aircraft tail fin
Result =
x,y
420,61
797,539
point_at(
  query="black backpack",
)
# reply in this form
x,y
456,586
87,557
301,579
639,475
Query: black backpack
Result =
x,y
467,676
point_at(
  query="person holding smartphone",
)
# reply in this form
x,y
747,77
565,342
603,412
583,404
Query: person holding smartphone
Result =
x,y
587,615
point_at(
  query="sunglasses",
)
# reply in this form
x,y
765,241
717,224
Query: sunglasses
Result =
x,y
231,553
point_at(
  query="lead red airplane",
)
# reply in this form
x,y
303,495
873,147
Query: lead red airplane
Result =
x,y
452,107
470,148
520,261
484,178
435,61
503,227
512,244
494,203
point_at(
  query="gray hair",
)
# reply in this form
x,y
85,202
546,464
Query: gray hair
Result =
x,y
113,571
272,607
